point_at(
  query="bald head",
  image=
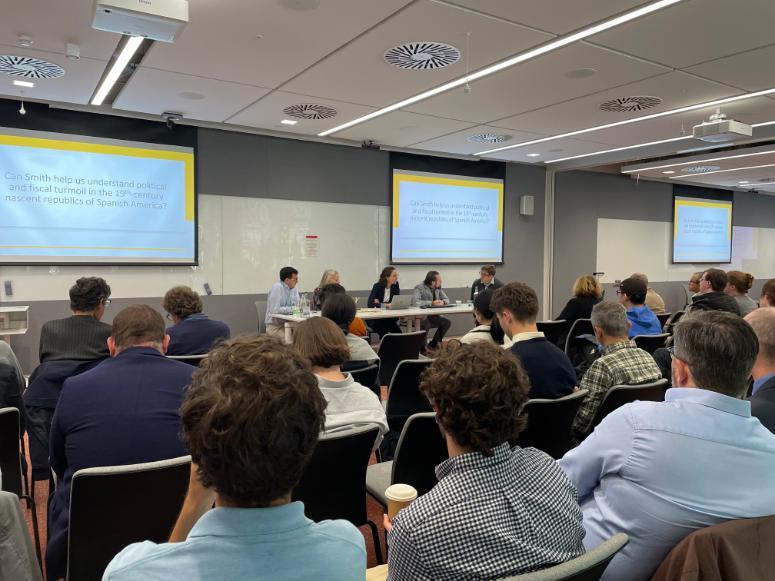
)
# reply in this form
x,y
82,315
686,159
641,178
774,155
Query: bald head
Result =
x,y
763,322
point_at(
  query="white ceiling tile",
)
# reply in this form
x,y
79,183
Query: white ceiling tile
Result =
x,y
153,91
539,83
548,151
557,16
220,39
402,128
696,31
458,142
268,112
359,74
752,70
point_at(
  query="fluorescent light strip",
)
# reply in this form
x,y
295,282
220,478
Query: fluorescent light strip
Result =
x,y
510,62
696,161
636,120
127,53
705,173
636,146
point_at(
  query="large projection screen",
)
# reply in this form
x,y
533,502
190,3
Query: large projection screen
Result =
x,y
69,199
702,229
446,219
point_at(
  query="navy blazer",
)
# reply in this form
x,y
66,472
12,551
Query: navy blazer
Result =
x,y
763,405
378,293
124,411
196,334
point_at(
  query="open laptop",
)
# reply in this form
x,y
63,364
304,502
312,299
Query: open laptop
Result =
x,y
401,302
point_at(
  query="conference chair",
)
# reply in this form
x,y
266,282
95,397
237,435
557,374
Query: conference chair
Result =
x,y
261,326
19,560
396,347
579,327
113,506
11,466
663,318
404,397
651,343
367,375
194,360
672,320
549,423
620,395
420,449
588,567
333,485
553,330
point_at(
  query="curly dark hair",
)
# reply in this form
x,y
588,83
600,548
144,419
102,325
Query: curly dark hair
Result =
x,y
518,298
87,293
383,276
182,302
478,392
251,419
321,341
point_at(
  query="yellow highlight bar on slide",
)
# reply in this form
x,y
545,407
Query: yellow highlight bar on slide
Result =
x,y
402,177
721,205
64,145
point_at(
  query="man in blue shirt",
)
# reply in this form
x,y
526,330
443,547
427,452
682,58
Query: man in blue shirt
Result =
x,y
251,420
660,470
282,298
632,294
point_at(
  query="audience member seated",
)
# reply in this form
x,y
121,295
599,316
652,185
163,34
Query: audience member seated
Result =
x,y
82,336
381,295
763,393
659,470
768,294
12,384
340,309
124,411
357,327
693,286
711,296
484,317
430,294
192,332
486,281
587,292
330,276
621,363
282,298
251,394
496,511
738,285
349,403
549,369
653,300
632,294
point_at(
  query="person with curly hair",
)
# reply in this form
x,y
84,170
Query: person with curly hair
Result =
x,y
251,421
192,332
496,511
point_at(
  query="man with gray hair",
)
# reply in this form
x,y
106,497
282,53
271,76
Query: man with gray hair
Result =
x,y
653,300
763,373
660,470
622,363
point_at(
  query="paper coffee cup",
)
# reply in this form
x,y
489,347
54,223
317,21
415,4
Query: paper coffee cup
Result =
x,y
399,496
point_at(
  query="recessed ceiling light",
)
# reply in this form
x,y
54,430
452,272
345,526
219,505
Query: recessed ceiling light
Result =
x,y
28,84
668,171
700,169
289,122
509,62
131,46
743,182
192,96
533,154
581,73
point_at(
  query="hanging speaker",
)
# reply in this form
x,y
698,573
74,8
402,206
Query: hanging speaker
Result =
x,y
527,205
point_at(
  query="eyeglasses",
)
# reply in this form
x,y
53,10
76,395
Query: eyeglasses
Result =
x,y
671,350
168,317
106,302
619,292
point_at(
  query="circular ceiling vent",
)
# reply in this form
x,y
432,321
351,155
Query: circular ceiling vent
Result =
x,y
700,168
488,138
629,104
422,55
310,111
32,68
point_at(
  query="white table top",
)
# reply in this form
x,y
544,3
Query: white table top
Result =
x,y
367,314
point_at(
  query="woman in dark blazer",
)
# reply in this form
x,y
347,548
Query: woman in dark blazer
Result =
x,y
587,292
382,293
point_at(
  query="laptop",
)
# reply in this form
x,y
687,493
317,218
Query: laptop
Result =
x,y
401,302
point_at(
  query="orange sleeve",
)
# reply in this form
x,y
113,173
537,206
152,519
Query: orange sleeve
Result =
x,y
358,327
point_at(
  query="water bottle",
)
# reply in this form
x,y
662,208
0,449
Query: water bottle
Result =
x,y
305,306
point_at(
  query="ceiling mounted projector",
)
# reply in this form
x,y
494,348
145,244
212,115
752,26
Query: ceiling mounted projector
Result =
x,y
160,20
719,129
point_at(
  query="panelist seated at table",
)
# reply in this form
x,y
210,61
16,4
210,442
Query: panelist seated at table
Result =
x,y
430,294
282,298
330,276
192,332
382,294
486,281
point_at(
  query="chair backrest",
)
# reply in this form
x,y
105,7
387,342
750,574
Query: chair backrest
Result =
x,y
10,455
367,376
333,484
663,318
579,327
620,395
420,448
114,506
404,397
651,343
553,330
549,423
396,347
194,360
588,567
261,326
672,320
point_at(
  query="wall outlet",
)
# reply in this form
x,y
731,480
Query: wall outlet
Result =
x,y
8,288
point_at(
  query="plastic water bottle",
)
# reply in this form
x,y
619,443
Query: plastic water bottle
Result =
x,y
305,306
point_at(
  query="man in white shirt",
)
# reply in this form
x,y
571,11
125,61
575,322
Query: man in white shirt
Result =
x,y
282,298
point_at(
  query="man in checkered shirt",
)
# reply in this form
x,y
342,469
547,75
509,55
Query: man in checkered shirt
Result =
x,y
622,363
496,511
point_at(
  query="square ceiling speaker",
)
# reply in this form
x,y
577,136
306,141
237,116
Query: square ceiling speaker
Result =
x,y
527,205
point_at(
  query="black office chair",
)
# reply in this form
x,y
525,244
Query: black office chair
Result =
x,y
396,347
663,318
549,423
651,343
579,327
194,360
333,485
112,507
672,320
11,466
421,448
620,395
553,330
367,375
404,397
